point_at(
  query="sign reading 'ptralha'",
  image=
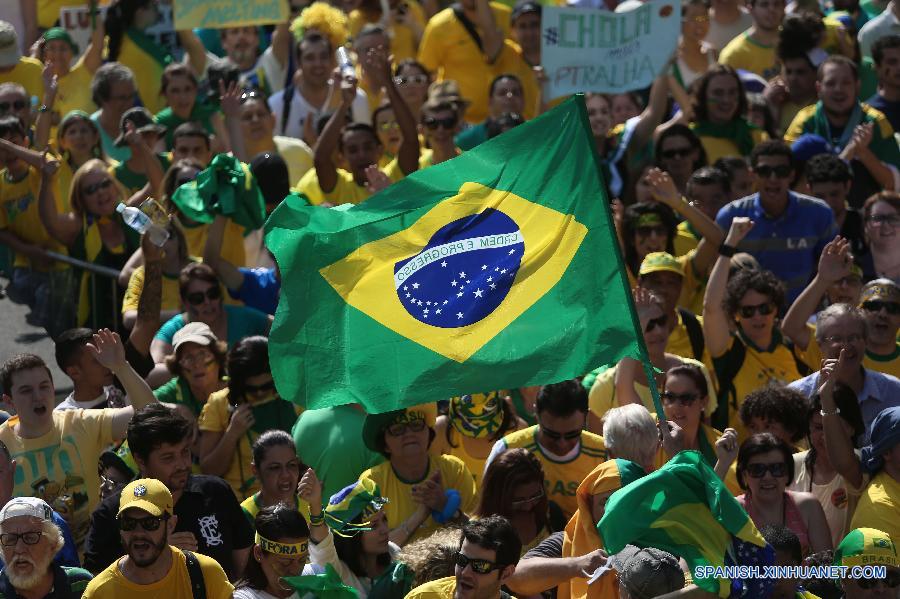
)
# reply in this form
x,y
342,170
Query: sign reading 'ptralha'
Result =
x,y
592,50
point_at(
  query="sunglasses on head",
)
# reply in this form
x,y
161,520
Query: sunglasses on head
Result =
x,y
11,539
447,123
781,171
676,153
758,470
399,428
196,298
656,322
259,389
685,399
413,79
14,105
149,524
479,566
95,187
749,311
893,308
892,581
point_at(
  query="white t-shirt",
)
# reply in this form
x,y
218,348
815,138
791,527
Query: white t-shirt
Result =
x,y
300,108
719,35
112,397
248,593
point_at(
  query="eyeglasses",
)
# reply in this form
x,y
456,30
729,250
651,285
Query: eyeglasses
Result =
x,y
399,429
520,503
841,340
447,123
259,389
764,171
892,581
685,399
150,523
389,125
876,220
14,105
480,566
656,322
95,187
196,298
893,308
412,79
676,153
749,311
203,359
776,469
11,539
555,436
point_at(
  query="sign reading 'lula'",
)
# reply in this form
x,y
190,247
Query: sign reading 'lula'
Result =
x,y
594,50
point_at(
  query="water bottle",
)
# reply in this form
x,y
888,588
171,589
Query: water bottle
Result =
x,y
141,223
157,213
344,62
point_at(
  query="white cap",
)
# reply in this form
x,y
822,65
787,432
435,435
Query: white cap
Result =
x,y
26,506
9,45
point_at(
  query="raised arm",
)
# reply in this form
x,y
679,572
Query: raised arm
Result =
x,y
379,64
838,443
323,154
93,54
194,50
230,101
281,43
491,34
212,255
834,264
65,227
715,320
652,115
44,121
152,166
150,301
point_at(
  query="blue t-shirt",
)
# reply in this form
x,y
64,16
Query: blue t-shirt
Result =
x,y
242,322
788,245
259,289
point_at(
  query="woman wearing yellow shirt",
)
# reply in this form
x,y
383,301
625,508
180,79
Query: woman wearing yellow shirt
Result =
x,y
404,22
720,107
57,50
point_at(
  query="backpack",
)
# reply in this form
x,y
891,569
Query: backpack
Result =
x,y
694,333
198,585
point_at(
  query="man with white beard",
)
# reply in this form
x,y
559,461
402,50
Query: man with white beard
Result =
x,y
29,540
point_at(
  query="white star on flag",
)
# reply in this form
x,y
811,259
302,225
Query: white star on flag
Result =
x,y
459,315
478,292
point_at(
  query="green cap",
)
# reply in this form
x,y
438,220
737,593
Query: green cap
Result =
x,y
866,547
362,497
58,33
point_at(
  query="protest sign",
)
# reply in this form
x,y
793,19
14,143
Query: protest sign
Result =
x,y
594,50
228,13
76,20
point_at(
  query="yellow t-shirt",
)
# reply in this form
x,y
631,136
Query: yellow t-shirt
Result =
x,y
442,588
879,506
745,53
74,91
680,344
297,156
454,475
448,50
176,584
474,464
27,73
685,240
251,508
308,185
346,191
812,357
403,42
232,242
147,74
19,213
720,147
60,467
602,397
171,296
561,479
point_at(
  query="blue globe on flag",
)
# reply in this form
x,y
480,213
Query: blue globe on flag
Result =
x,y
464,272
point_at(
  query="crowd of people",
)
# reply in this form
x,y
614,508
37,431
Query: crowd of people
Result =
x,y
754,192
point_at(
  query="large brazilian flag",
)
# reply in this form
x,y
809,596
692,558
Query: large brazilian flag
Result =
x,y
494,270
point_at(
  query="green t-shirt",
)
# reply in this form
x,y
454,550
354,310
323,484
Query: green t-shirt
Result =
x,y
177,391
200,113
132,181
329,440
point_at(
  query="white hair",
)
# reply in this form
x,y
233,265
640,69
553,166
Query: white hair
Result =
x,y
630,433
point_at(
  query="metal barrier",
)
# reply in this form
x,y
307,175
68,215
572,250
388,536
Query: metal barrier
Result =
x,y
94,269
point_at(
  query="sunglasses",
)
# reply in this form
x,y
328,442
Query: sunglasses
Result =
x,y
776,469
11,539
781,171
198,360
676,153
95,187
876,220
749,311
893,308
149,524
656,322
892,581
14,105
480,566
399,429
196,298
520,503
658,230
259,389
685,399
447,123
557,436
413,79
389,125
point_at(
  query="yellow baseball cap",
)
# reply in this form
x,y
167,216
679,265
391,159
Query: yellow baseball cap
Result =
x,y
880,289
146,494
659,262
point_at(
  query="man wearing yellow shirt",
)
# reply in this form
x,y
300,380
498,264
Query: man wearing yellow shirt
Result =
x,y
16,68
358,143
754,50
152,567
462,43
487,557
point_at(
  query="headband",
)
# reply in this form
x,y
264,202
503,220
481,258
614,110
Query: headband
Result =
x,y
288,549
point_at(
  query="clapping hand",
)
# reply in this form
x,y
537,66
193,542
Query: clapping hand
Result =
x,y
430,492
108,349
310,490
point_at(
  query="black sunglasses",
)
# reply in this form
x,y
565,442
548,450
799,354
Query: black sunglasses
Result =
x,y
196,298
447,123
893,308
95,187
676,153
685,399
781,171
259,389
763,309
15,105
481,566
777,469
657,322
557,436
150,523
